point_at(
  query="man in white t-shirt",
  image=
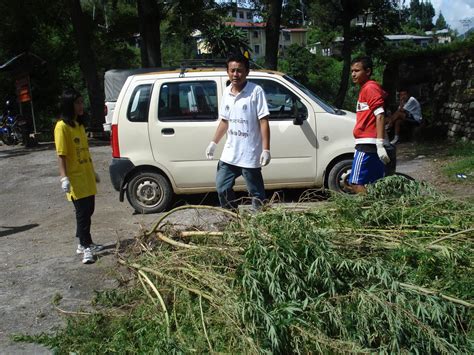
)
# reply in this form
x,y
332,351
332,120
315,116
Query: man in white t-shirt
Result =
x,y
409,111
244,117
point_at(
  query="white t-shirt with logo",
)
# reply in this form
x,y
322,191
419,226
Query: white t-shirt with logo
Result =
x,y
243,112
413,107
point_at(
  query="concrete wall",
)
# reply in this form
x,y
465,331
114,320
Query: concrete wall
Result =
x,y
444,85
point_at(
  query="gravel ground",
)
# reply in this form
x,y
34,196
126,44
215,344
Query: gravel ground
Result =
x,y
37,253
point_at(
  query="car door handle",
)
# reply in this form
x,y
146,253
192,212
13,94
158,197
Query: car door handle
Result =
x,y
167,131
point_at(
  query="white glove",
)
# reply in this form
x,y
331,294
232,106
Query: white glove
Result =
x,y
65,184
97,177
265,158
381,152
210,150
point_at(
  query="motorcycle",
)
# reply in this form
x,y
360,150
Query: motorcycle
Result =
x,y
13,129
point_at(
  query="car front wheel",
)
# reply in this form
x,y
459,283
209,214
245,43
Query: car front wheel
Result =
x,y
339,176
149,192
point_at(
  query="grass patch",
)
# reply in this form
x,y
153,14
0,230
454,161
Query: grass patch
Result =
x,y
387,272
460,166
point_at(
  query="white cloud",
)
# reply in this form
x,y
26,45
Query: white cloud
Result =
x,y
454,11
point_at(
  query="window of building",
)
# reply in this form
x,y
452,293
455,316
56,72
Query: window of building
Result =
x,y
282,103
249,15
255,34
257,49
185,101
241,14
139,104
286,36
234,13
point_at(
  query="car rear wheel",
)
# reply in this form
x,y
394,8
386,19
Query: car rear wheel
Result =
x,y
149,192
339,176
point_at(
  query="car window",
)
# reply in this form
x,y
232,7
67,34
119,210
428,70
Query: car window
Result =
x,y
188,101
324,105
139,104
282,103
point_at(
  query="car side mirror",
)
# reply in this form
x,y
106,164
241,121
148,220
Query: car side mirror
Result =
x,y
299,119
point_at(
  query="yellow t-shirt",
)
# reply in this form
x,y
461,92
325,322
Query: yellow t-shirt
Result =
x,y
71,142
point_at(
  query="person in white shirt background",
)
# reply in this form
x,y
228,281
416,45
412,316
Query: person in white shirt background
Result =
x,y
244,118
409,111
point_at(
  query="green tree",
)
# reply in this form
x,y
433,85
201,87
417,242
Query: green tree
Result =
x,y
294,13
271,12
421,14
330,14
46,30
441,22
222,40
183,16
151,13
87,62
272,33
316,72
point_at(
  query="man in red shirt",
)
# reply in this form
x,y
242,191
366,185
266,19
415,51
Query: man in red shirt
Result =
x,y
370,155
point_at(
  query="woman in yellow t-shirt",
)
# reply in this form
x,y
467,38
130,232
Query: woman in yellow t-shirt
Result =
x,y
78,178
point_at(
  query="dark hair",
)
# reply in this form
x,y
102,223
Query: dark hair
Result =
x,y
366,62
404,88
68,97
239,58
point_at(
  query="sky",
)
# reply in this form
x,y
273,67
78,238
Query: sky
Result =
x,y
453,11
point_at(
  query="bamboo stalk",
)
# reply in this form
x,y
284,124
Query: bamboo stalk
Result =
x,y
169,278
165,239
204,325
158,295
72,312
170,241
186,234
427,291
450,236
140,278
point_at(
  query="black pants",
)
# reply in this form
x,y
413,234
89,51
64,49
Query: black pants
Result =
x,y
84,211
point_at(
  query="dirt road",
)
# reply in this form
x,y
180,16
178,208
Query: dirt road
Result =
x,y
37,250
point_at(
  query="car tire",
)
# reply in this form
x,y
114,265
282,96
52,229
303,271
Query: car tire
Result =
x,y
149,192
338,175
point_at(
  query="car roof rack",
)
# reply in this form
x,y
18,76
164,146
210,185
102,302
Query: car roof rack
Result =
x,y
209,63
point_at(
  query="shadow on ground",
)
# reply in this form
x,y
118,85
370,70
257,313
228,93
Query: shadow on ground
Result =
x,y
274,196
18,229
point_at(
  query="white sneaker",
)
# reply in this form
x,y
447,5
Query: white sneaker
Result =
x,y
88,257
93,247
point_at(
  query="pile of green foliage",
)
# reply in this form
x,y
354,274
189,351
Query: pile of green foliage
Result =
x,y
390,271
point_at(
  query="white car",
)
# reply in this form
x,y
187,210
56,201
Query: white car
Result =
x,y
164,120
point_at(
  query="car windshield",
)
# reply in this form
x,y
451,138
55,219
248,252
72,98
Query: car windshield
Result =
x,y
326,106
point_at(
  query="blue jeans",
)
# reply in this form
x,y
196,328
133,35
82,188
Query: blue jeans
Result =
x,y
225,180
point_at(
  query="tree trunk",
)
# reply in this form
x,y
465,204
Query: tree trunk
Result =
x,y
87,64
346,56
149,14
272,33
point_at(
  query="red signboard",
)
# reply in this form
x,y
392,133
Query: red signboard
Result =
x,y
23,89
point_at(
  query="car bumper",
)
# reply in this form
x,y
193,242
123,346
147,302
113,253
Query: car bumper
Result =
x,y
119,168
